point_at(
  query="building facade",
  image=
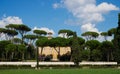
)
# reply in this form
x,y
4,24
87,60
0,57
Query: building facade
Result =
x,y
54,52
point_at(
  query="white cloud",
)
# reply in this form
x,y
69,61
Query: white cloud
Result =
x,y
45,29
87,11
10,20
56,5
89,27
101,38
105,7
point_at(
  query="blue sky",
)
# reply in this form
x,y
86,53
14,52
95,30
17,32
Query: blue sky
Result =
x,y
54,15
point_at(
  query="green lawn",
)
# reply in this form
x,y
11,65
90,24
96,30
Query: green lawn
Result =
x,y
61,71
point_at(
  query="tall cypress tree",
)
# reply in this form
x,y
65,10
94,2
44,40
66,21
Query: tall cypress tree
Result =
x,y
75,50
116,41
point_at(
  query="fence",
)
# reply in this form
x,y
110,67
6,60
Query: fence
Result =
x,y
33,64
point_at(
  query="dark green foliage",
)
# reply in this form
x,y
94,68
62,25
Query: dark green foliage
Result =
x,y
91,45
81,41
11,47
105,34
11,26
41,42
61,41
111,31
30,52
107,49
21,28
2,30
75,50
119,20
22,48
40,32
85,55
12,32
48,58
90,35
54,42
3,45
68,33
116,41
9,34
96,55
65,57
17,40
15,52
31,37
10,50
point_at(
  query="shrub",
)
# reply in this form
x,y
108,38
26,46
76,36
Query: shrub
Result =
x,y
65,57
48,58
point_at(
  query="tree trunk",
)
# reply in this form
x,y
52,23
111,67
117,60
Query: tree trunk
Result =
x,y
108,57
6,56
90,55
22,56
22,38
59,53
41,50
12,55
71,55
111,56
41,58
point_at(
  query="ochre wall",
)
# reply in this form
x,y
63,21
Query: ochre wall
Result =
x,y
50,50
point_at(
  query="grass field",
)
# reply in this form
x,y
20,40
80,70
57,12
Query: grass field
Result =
x,y
61,71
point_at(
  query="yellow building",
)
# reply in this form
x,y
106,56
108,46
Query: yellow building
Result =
x,y
51,51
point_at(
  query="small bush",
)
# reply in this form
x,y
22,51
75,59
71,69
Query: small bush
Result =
x,y
65,57
48,58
